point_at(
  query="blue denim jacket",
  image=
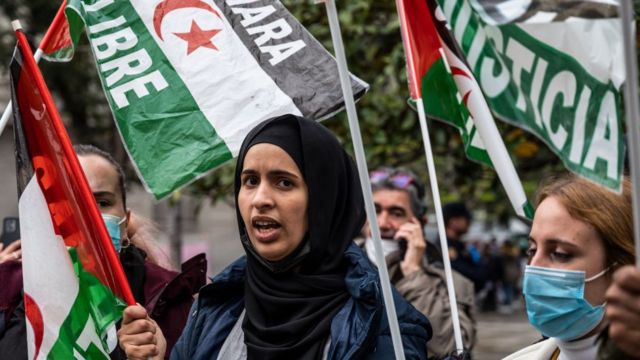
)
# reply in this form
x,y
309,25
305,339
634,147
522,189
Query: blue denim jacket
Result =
x,y
359,330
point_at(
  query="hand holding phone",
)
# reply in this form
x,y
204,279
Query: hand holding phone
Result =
x,y
10,230
12,252
10,248
416,245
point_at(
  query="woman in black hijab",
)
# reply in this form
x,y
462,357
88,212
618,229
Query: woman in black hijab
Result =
x,y
304,290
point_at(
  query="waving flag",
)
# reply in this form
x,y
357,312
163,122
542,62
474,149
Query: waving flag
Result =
x,y
553,68
432,79
57,44
74,285
187,79
439,75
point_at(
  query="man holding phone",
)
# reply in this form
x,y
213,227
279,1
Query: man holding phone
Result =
x,y
398,195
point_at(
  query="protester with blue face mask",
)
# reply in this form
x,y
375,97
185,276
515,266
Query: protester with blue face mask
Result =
x,y
581,234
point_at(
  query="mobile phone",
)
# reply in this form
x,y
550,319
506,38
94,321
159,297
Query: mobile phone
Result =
x,y
10,230
403,246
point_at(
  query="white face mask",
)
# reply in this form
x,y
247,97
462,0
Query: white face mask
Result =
x,y
388,246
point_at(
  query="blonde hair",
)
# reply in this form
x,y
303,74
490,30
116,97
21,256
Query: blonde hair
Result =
x,y
609,213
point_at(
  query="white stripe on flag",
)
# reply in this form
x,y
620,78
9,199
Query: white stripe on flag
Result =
x,y
237,71
49,278
47,269
603,58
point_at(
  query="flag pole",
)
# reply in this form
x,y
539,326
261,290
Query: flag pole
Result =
x,y
633,115
37,56
363,172
435,192
414,86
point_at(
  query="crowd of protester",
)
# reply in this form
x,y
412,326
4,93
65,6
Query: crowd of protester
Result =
x,y
501,269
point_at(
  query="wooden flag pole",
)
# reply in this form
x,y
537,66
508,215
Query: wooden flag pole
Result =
x,y
363,172
633,115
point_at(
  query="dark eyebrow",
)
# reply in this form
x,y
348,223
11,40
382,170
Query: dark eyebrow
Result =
x,y
272,173
394,208
282,173
103,194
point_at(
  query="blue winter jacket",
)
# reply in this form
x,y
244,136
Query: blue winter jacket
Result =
x,y
359,330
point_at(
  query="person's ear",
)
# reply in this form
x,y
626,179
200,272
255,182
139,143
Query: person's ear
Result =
x,y
127,216
126,235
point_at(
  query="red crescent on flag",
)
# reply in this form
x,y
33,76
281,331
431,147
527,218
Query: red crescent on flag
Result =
x,y
33,314
166,6
458,71
465,98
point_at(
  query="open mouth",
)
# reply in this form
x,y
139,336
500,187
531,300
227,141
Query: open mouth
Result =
x,y
266,229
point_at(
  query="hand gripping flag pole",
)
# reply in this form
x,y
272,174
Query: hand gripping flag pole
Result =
x,y
363,172
53,28
633,114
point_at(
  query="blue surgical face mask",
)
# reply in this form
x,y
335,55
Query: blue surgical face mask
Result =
x,y
113,227
556,305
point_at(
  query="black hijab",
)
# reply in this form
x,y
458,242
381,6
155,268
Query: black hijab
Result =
x,y
289,312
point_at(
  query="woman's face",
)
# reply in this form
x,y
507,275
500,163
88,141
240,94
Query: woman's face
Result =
x,y
105,185
559,241
273,201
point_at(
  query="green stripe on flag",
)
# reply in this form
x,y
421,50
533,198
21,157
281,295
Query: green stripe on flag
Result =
x,y
95,301
164,128
439,95
64,54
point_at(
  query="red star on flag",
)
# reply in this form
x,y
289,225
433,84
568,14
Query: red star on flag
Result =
x,y
197,38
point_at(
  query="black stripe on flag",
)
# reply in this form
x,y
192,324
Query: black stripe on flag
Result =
x,y
309,76
445,33
24,168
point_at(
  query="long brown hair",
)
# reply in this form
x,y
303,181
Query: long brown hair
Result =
x,y
609,213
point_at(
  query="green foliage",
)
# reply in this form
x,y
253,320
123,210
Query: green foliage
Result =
x,y
389,127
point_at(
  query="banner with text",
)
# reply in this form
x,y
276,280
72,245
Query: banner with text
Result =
x,y
188,79
553,68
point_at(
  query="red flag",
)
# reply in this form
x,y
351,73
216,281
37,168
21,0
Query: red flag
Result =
x,y
421,42
45,151
57,45
74,284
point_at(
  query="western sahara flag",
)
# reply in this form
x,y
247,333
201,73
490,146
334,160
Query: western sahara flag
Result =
x,y
74,285
553,68
187,79
438,74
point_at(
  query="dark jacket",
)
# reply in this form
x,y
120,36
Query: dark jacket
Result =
x,y
359,330
167,296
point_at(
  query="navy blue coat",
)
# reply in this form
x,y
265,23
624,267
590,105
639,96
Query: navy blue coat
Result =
x,y
360,327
